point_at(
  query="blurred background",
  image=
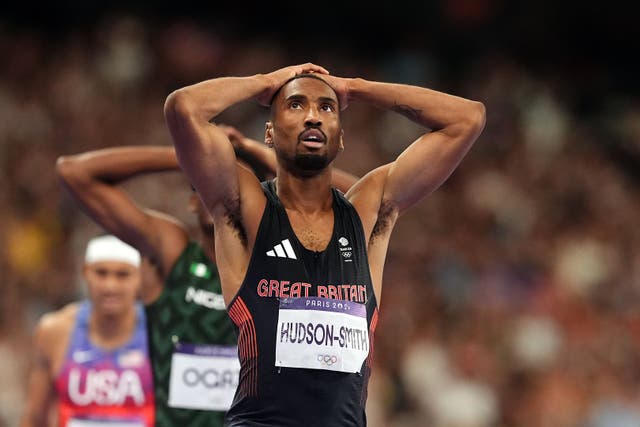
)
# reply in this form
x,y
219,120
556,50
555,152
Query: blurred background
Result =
x,y
510,295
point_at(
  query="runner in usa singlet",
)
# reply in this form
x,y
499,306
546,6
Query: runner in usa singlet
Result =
x,y
305,323
105,388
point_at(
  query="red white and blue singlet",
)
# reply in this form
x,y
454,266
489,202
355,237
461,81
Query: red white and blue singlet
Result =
x,y
105,388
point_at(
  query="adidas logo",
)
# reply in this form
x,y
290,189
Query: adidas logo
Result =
x,y
283,250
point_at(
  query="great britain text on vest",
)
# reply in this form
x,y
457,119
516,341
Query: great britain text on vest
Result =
x,y
271,288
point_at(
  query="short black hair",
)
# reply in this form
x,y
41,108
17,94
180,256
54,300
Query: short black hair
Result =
x,y
299,76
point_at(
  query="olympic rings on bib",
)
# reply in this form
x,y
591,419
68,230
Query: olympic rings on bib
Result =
x,y
327,359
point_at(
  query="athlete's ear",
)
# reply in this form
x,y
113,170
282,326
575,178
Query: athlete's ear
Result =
x,y
341,146
268,134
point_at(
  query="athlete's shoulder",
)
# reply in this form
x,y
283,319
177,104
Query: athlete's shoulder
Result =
x,y
54,329
58,321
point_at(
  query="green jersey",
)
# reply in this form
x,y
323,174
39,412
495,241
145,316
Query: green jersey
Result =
x,y
190,314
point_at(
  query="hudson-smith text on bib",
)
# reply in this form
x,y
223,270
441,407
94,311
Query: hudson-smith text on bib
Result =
x,y
321,333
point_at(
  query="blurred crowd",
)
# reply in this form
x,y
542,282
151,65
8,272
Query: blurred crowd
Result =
x,y
510,294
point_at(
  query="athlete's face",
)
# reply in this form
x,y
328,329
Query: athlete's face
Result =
x,y
305,129
113,286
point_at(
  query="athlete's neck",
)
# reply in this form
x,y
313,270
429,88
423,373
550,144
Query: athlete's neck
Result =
x,y
110,331
305,195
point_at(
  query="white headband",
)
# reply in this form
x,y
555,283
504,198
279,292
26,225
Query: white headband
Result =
x,y
110,248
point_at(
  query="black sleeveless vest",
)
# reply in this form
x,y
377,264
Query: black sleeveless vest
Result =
x,y
281,268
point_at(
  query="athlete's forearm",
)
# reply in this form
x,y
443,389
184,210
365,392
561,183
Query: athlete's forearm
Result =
x,y
433,109
113,165
206,100
257,154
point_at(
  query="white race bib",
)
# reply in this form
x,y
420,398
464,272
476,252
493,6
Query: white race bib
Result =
x,y
94,423
321,333
203,376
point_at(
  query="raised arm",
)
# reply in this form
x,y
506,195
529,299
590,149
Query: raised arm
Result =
x,y
203,148
453,125
231,193
93,179
260,158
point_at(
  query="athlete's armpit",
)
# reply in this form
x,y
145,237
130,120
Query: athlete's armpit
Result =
x,y
233,218
386,215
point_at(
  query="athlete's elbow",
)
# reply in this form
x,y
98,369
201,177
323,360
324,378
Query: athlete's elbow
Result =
x,y
68,169
476,118
177,104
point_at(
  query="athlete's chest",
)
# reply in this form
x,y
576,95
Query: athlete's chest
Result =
x,y
90,376
313,232
289,268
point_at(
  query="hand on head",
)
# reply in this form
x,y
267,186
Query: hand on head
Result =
x,y
279,77
340,86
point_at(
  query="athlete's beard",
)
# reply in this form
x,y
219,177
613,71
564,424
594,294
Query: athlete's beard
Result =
x,y
310,163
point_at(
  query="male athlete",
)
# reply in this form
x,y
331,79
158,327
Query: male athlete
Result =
x,y
90,358
301,265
